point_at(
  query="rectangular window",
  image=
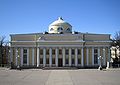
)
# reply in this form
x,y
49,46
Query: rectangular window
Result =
x,y
60,51
95,56
66,51
47,51
79,61
25,51
53,60
41,60
66,61
53,51
24,56
95,50
41,52
73,61
47,60
73,52
95,59
79,52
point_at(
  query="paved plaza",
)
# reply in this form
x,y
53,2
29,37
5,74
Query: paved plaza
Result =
x,y
59,77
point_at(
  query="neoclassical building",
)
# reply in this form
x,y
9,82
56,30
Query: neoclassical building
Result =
x,y
60,47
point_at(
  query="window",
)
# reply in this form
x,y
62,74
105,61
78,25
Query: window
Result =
x,y
25,51
53,60
66,51
68,30
47,60
73,52
73,61
47,51
79,61
95,56
66,60
60,29
95,51
41,51
60,51
24,56
79,52
95,59
53,51
51,29
41,60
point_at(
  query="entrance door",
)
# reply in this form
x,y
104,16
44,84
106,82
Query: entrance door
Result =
x,y
59,62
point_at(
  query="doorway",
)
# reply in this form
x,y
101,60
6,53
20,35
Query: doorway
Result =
x,y
59,62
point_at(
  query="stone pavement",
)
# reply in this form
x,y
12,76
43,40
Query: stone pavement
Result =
x,y
59,77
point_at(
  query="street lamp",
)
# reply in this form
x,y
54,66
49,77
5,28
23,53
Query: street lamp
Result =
x,y
100,63
18,61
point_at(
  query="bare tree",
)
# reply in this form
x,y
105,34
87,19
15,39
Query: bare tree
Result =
x,y
117,39
116,45
2,41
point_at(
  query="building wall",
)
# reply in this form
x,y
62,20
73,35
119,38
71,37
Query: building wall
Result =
x,y
60,41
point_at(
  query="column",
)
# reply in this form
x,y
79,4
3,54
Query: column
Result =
x,y
109,54
69,56
44,57
50,57
16,56
87,55
27,56
108,59
11,54
33,56
63,52
82,60
38,57
93,56
76,56
104,59
99,60
56,57
21,56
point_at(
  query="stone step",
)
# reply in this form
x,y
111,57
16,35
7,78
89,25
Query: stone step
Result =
x,y
50,68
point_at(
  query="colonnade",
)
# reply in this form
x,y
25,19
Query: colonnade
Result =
x,y
44,56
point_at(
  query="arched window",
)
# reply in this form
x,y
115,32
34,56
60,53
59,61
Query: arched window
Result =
x,y
68,30
60,29
51,29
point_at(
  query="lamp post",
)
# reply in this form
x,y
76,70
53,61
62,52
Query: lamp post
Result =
x,y
18,61
100,62
9,59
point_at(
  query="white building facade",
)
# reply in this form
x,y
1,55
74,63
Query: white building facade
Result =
x,y
60,47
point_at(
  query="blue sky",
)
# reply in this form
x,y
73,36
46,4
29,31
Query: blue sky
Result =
x,y
31,16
